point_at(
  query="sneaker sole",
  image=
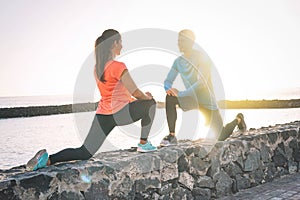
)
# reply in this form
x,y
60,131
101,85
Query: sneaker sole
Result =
x,y
145,151
34,161
167,145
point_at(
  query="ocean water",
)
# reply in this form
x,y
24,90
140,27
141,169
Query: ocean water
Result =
x,y
25,101
21,138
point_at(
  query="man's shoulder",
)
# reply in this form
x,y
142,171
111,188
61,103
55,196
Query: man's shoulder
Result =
x,y
199,54
179,58
200,57
177,61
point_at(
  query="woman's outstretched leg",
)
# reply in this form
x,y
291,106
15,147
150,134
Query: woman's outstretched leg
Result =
x,y
70,154
101,127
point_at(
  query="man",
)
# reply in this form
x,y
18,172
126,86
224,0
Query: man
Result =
x,y
194,68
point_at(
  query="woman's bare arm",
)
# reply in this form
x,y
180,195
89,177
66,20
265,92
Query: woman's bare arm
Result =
x,y
132,87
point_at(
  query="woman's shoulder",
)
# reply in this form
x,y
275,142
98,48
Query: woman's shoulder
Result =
x,y
115,65
115,69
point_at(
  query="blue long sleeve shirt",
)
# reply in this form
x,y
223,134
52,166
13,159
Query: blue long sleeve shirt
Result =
x,y
196,76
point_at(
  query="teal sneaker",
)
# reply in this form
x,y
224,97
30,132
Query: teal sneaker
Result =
x,y
148,147
38,161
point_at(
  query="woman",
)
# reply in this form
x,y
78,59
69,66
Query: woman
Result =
x,y
115,108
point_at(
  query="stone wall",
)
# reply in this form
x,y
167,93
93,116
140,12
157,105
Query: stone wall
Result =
x,y
191,170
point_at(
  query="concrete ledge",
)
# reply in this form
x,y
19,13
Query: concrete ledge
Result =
x,y
191,170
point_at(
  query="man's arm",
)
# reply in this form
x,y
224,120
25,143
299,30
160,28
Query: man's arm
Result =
x,y
202,79
171,77
190,91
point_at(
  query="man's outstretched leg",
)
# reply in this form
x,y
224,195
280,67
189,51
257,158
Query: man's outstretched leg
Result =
x,y
214,120
229,128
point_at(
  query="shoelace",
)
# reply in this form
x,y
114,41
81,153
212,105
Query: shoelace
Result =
x,y
148,145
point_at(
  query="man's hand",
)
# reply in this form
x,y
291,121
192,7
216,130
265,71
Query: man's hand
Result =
x,y
172,92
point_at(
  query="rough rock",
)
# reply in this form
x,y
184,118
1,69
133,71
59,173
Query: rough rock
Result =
x,y
191,170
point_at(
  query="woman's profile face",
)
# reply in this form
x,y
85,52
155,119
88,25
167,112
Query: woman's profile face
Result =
x,y
117,47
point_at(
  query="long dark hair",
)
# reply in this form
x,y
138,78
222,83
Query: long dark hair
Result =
x,y
103,46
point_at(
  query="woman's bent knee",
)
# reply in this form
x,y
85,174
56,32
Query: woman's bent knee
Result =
x,y
151,103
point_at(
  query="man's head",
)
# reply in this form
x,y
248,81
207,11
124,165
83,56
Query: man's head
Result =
x,y
186,39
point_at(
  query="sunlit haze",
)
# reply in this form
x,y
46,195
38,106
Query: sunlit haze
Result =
x,y
254,44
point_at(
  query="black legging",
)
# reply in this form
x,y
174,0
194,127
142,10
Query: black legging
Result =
x,y
171,112
103,124
212,117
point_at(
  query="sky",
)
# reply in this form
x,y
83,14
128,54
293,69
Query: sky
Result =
x,y
254,44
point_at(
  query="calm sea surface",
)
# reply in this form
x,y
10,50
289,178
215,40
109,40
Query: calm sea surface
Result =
x,y
22,137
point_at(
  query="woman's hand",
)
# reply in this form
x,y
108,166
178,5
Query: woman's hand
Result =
x,y
141,95
145,96
149,95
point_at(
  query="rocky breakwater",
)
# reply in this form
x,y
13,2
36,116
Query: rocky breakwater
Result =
x,y
191,170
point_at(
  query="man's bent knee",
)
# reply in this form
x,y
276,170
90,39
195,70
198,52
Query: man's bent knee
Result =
x,y
171,99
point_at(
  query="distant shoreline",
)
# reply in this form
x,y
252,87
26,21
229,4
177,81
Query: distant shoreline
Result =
x,y
257,104
254,104
31,111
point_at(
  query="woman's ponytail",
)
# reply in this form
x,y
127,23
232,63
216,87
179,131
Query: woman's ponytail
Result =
x,y
103,47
